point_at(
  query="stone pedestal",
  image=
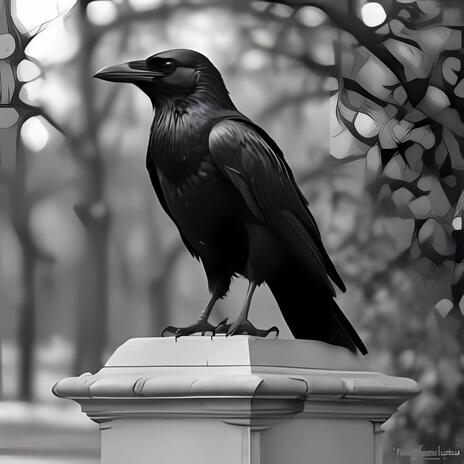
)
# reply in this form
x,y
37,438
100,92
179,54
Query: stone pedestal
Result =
x,y
237,400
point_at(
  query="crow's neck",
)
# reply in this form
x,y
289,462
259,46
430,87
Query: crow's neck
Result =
x,y
179,134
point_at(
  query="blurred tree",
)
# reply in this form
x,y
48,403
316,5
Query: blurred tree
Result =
x,y
409,125
398,102
410,128
13,170
93,212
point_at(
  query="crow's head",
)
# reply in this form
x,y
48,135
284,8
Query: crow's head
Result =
x,y
171,75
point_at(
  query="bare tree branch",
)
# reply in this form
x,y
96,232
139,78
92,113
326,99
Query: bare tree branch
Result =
x,y
163,10
326,168
366,36
290,100
304,59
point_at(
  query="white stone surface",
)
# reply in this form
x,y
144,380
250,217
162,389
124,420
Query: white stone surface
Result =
x,y
237,400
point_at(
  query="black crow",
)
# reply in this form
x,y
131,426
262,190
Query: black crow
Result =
x,y
227,187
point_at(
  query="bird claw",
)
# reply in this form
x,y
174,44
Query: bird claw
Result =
x,y
223,327
169,328
246,327
199,327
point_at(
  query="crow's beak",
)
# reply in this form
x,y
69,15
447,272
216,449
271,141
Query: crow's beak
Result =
x,y
133,71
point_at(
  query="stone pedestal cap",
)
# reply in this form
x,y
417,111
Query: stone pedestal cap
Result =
x,y
235,377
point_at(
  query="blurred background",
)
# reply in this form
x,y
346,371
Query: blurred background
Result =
x,y
365,99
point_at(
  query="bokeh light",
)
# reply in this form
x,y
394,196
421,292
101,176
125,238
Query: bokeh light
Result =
x,y
101,12
311,16
35,134
55,44
27,71
373,14
33,14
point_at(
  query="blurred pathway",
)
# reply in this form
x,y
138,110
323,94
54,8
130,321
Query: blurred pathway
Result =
x,y
47,433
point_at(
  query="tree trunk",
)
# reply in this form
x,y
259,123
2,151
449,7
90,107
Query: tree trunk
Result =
x,y
94,215
12,115
27,326
20,212
93,307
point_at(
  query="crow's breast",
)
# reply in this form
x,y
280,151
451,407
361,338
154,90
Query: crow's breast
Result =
x,y
205,210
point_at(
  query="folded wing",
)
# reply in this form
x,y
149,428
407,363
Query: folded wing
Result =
x,y
256,167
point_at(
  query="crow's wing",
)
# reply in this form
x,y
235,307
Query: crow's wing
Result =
x,y
252,162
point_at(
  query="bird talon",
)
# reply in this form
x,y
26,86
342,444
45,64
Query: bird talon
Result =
x,y
246,327
273,329
169,328
222,327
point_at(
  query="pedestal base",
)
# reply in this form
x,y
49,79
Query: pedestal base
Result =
x,y
239,400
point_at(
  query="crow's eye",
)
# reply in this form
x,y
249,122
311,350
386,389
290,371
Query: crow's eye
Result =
x,y
160,63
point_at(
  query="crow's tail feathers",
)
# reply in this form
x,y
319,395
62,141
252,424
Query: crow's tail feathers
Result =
x,y
344,331
322,320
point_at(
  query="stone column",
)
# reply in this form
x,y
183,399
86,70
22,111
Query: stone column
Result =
x,y
236,400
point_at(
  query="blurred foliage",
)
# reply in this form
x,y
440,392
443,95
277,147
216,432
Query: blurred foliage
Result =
x,y
369,118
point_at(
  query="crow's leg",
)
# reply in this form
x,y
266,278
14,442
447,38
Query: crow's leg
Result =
x,y
242,325
201,326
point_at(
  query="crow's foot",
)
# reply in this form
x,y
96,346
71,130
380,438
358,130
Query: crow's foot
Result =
x,y
246,327
201,326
